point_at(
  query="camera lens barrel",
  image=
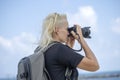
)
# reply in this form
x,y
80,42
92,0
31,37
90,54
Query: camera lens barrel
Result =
x,y
85,31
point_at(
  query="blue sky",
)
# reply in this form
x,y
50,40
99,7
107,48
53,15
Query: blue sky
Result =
x,y
20,29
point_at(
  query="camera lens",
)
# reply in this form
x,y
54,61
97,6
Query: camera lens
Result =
x,y
85,31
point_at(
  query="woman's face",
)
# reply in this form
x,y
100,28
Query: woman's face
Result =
x,y
63,32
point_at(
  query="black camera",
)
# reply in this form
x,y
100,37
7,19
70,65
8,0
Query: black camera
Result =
x,y
85,31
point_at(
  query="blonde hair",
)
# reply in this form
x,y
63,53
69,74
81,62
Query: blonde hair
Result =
x,y
50,22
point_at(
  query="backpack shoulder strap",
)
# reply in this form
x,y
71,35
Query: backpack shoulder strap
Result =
x,y
51,44
44,69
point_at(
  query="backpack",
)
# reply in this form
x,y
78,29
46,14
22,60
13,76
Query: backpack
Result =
x,y
33,66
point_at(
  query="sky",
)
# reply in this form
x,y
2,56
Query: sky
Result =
x,y
21,21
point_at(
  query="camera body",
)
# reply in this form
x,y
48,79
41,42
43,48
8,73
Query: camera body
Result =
x,y
85,31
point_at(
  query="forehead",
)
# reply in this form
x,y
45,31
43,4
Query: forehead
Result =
x,y
65,24
62,23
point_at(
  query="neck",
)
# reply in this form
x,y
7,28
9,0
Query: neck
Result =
x,y
56,38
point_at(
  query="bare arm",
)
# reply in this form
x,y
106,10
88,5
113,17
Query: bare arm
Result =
x,y
89,62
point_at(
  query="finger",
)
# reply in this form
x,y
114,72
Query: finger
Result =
x,y
79,30
71,37
78,27
74,34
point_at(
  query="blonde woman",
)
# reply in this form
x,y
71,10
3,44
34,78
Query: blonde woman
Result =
x,y
60,56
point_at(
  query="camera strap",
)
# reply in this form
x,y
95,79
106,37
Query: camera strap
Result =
x,y
80,45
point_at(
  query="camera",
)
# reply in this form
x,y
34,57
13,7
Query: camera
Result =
x,y
85,31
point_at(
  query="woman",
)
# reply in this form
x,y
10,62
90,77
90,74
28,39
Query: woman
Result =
x,y
60,56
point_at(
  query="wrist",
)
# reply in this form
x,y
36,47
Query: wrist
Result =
x,y
81,39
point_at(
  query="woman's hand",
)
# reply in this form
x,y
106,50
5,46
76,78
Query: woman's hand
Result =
x,y
70,42
79,35
79,31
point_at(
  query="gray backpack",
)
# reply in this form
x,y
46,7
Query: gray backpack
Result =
x,y
33,66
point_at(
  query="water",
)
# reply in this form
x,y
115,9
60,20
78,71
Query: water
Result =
x,y
113,75
7,79
103,79
116,78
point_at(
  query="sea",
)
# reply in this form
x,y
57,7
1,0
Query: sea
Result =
x,y
111,75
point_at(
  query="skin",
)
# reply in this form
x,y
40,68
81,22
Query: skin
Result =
x,y
89,62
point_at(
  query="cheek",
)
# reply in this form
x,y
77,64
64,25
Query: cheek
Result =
x,y
64,33
63,36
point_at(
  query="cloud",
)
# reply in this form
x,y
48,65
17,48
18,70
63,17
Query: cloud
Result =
x,y
12,50
4,42
85,16
19,42
116,25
